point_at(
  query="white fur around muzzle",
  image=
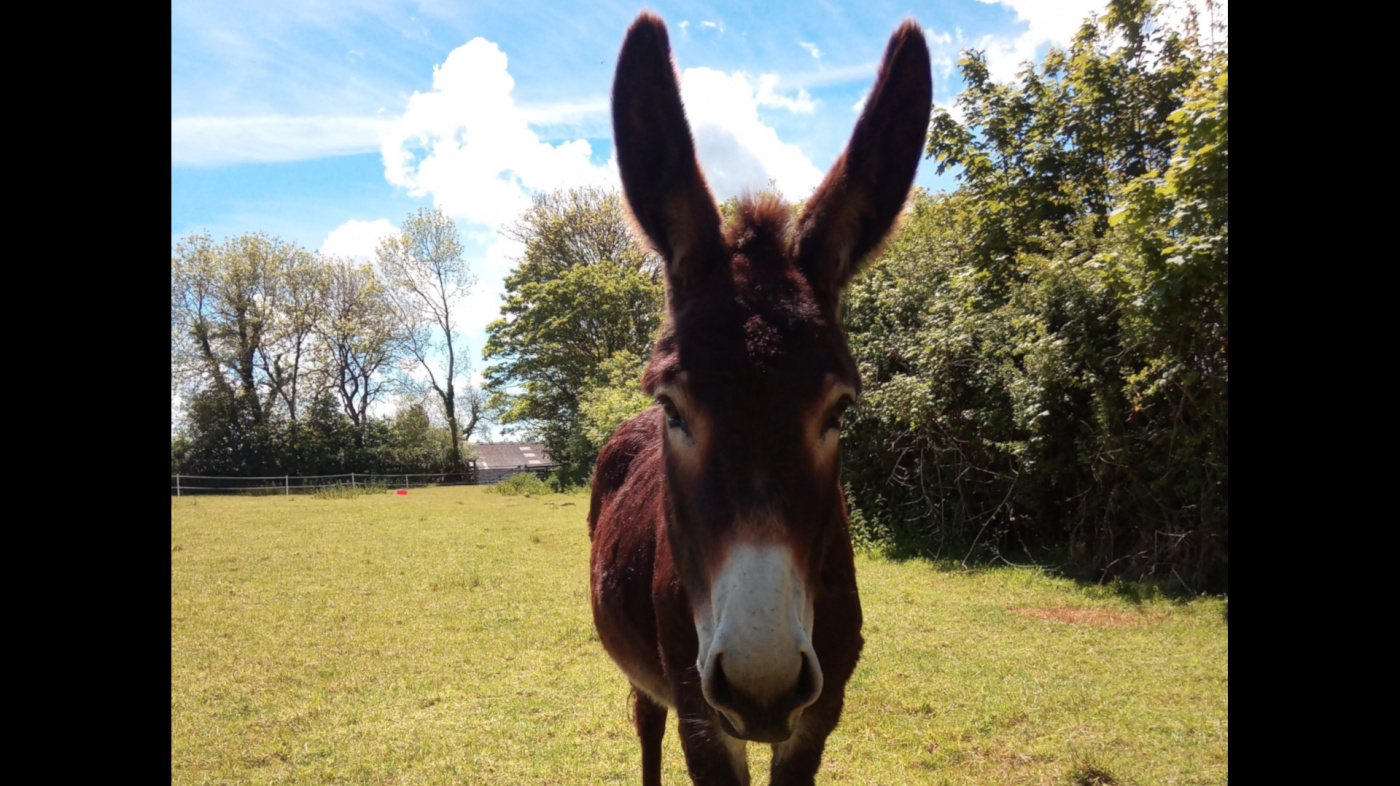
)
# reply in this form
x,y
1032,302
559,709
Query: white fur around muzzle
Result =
x,y
759,617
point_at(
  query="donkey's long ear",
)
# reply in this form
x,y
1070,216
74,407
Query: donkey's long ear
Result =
x,y
656,156
855,206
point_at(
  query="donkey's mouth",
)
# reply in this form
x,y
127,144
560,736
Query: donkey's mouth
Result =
x,y
767,732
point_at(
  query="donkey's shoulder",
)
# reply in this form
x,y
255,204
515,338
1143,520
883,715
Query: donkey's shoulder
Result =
x,y
632,439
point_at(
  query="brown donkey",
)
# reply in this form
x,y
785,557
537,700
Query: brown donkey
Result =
x,y
722,578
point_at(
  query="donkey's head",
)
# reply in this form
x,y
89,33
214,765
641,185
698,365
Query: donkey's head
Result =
x,y
753,372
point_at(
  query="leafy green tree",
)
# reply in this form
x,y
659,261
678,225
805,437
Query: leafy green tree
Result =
x,y
583,293
1045,156
573,227
613,396
427,277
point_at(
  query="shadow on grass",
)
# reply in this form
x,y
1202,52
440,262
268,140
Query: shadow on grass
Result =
x,y
1139,591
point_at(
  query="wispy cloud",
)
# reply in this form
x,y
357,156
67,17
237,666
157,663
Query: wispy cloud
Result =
x,y
564,112
213,141
811,49
826,77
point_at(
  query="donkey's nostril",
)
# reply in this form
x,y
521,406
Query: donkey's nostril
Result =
x,y
716,685
809,685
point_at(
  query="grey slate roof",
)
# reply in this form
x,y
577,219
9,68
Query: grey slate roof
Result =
x,y
504,455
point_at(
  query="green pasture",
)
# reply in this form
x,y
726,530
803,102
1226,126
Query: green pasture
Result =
x,y
445,637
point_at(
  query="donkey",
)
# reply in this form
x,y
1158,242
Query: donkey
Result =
x,y
722,577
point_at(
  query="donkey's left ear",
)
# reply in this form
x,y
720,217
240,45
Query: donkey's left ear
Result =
x,y
656,157
853,209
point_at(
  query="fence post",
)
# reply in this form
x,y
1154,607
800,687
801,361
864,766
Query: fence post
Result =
x,y
287,482
405,480
352,480
177,484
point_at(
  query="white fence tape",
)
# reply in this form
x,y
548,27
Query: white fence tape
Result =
x,y
224,484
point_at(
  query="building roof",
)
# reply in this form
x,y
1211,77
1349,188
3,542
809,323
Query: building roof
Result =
x,y
505,455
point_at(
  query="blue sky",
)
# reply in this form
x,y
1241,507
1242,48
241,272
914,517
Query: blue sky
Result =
x,y
325,123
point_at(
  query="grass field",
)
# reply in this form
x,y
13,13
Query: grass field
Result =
x,y
445,637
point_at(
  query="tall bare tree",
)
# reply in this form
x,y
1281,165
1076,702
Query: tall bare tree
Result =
x,y
360,338
427,277
287,351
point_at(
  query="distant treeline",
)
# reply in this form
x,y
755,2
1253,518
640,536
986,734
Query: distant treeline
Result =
x,y
280,357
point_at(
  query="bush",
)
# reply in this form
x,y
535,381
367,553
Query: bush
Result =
x,y
1045,351
527,483
350,490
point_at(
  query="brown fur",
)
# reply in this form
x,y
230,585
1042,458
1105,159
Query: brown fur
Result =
x,y
753,351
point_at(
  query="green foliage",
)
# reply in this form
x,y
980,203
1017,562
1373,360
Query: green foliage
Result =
x,y
221,437
613,396
350,490
1044,352
527,483
582,295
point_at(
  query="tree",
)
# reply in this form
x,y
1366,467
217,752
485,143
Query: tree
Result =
x,y
361,337
583,293
426,277
613,396
576,226
241,314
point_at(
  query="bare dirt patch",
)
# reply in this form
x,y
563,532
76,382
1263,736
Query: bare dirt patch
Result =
x,y
1101,618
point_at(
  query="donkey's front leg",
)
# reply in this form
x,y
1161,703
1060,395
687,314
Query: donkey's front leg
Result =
x,y
650,719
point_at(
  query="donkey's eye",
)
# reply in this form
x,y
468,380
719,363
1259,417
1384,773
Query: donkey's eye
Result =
x,y
833,419
673,416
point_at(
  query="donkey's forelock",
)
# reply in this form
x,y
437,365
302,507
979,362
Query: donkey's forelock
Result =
x,y
761,230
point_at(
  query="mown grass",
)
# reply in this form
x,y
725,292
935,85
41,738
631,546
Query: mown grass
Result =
x,y
445,637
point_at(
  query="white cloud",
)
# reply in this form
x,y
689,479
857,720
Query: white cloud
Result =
x,y
685,29
213,141
468,145
859,105
736,149
811,49
716,26
357,240
769,96
1055,22
1049,21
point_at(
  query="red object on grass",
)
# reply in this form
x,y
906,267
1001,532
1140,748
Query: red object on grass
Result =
x,y
402,492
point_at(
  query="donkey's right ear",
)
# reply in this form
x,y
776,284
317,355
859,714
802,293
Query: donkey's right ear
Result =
x,y
656,156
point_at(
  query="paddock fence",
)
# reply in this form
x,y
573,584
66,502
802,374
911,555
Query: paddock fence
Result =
x,y
183,485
